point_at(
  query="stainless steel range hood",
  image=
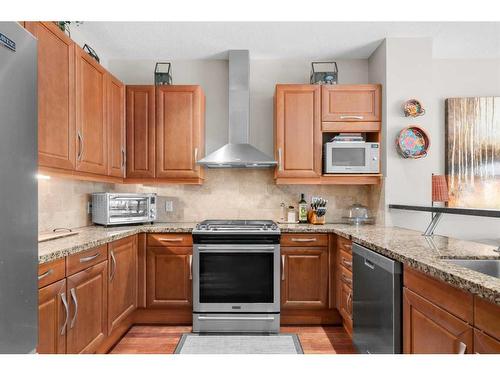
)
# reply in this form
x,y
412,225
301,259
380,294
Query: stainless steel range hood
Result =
x,y
238,153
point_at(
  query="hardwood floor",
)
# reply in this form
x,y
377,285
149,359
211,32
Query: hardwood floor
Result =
x,y
153,339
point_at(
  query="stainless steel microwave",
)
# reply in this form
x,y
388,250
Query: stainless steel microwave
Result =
x,y
123,208
351,157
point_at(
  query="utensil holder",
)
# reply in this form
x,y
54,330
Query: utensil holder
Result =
x,y
315,219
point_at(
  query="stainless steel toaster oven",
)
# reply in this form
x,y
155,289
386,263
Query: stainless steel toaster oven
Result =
x,y
123,208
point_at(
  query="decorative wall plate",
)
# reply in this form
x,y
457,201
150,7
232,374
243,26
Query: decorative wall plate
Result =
x,y
413,142
413,108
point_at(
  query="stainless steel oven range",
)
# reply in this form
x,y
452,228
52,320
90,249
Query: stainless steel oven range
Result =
x,y
236,276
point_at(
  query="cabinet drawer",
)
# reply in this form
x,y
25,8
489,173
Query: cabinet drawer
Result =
x,y
51,272
304,239
487,317
346,277
85,259
345,259
171,239
344,244
453,300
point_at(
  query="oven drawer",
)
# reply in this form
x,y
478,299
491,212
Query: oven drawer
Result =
x,y
170,239
303,239
269,323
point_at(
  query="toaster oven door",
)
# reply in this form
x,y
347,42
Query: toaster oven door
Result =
x,y
128,209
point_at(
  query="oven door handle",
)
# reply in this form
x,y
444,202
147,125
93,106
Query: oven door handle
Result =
x,y
236,248
265,318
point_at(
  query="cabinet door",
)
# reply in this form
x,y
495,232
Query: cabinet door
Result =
x,y
122,288
169,277
350,103
304,284
88,294
52,318
298,131
428,329
91,115
116,126
140,131
484,344
179,131
56,96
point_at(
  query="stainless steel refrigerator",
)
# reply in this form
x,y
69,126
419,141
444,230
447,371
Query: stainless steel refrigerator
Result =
x,y
18,190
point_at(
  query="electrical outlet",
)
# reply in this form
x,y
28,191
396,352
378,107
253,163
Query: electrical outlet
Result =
x,y
169,206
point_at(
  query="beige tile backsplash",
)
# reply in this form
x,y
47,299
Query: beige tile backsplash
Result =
x,y
226,194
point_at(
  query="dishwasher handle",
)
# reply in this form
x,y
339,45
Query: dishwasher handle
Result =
x,y
372,258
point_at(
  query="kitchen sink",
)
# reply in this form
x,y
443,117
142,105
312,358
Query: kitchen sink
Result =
x,y
489,267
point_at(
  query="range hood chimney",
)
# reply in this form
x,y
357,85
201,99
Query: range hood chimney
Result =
x,y
238,153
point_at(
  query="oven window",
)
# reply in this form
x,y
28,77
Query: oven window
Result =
x,y
126,207
236,278
348,157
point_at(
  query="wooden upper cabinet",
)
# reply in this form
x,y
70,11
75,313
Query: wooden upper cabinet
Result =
x,y
428,329
122,288
298,131
169,277
140,131
180,114
304,280
56,96
116,126
351,103
52,318
88,295
91,115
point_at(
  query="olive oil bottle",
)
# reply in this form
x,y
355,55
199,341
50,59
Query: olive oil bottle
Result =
x,y
302,209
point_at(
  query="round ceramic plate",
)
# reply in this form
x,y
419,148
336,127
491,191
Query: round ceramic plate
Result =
x,y
413,142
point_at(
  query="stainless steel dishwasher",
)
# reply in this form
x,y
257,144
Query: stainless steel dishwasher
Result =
x,y
377,283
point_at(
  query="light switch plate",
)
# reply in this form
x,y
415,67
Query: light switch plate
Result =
x,y
169,206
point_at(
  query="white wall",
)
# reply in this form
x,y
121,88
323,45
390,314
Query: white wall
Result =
x,y
212,75
80,37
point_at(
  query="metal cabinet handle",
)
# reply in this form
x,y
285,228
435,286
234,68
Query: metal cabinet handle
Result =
x,y
282,268
346,263
280,165
349,302
195,157
66,308
80,145
88,259
304,239
353,117
462,348
123,157
346,280
171,239
75,301
45,274
264,318
190,267
113,266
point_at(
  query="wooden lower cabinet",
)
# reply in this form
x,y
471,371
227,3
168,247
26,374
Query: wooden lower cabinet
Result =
x,y
52,318
304,282
122,287
429,329
485,344
88,294
169,277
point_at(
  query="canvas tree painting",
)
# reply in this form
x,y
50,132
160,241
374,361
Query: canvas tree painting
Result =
x,y
473,152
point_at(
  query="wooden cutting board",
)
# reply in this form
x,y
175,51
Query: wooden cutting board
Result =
x,y
52,236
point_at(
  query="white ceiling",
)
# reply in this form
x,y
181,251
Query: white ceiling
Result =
x,y
292,40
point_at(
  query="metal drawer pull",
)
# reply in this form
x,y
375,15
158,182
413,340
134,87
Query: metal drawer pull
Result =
x,y
88,259
113,266
346,280
369,264
349,302
346,263
280,166
304,239
195,157
354,117
80,146
190,267
66,308
171,239
266,318
45,274
75,301
462,348
282,267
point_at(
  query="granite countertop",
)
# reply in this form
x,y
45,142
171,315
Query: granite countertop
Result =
x,y
407,246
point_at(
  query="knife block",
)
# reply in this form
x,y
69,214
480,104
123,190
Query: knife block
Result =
x,y
314,219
